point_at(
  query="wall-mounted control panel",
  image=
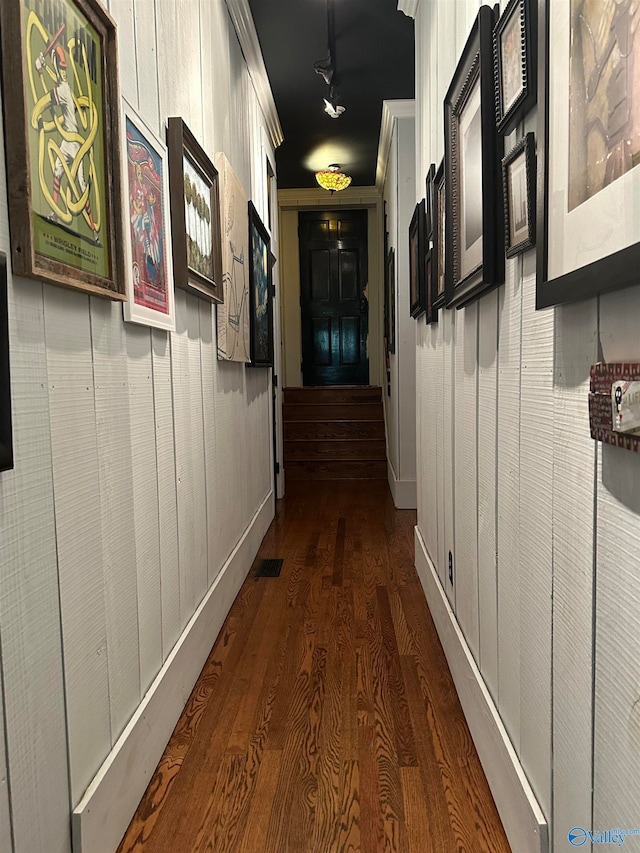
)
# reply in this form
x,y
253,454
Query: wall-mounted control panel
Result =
x,y
614,404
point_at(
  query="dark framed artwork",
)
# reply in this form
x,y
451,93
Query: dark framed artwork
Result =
x,y
195,214
6,444
391,301
430,251
385,330
260,292
62,118
474,221
438,251
588,235
518,182
514,51
417,289
149,272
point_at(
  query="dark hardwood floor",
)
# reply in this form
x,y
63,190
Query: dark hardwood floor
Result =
x,y
325,719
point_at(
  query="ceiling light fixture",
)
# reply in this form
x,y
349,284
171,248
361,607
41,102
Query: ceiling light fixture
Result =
x,y
332,179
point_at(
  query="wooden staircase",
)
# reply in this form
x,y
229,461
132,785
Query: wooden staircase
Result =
x,y
334,433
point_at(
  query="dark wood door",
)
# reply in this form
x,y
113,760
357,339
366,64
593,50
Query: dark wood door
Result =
x,y
335,311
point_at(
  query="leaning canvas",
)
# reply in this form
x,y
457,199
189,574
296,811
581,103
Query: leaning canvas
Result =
x,y
233,314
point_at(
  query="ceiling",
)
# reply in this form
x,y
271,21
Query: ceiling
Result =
x,y
374,61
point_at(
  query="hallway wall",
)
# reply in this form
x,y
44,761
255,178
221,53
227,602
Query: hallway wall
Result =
x,y
543,524
140,460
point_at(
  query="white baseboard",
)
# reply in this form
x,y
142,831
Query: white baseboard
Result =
x,y
521,815
404,492
104,813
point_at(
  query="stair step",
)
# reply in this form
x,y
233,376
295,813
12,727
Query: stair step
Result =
x,y
332,412
334,394
351,469
333,450
308,430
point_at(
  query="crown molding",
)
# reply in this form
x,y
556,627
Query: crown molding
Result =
x,y
409,7
391,110
245,28
293,199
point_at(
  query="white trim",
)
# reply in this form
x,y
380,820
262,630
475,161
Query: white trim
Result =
x,y
104,813
391,110
403,492
409,7
245,28
521,815
295,199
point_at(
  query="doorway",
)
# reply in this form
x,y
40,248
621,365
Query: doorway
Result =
x,y
334,305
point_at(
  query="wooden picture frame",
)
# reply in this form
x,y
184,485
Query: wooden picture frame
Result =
x,y
147,223
474,220
588,233
430,251
391,301
6,441
417,289
260,292
514,58
518,182
195,214
439,234
62,119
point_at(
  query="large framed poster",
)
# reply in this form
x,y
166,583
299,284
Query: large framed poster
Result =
x,y
62,108
260,292
149,276
474,237
6,444
588,235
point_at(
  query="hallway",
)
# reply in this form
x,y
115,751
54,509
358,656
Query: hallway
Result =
x,y
325,719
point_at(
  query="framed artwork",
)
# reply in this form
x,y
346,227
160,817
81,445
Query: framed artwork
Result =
x,y
386,283
518,182
233,315
148,266
588,235
473,219
514,58
438,251
430,251
391,301
195,214
417,289
6,445
260,292
62,145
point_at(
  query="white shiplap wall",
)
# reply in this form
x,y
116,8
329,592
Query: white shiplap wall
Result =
x,y
544,524
139,459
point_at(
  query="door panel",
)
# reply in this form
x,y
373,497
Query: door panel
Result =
x,y
333,279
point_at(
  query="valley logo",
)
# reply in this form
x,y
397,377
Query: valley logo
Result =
x,y
579,836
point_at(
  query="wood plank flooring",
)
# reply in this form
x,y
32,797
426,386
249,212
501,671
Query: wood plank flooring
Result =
x,y
325,719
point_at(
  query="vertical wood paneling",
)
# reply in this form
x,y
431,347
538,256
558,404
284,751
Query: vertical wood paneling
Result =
x,y
167,501
116,503
208,355
147,63
536,492
6,841
429,452
487,498
617,659
145,501
179,69
439,411
449,320
573,552
76,488
466,475
509,348
122,12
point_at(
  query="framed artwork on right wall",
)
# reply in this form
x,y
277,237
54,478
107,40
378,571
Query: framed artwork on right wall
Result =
x,y
6,444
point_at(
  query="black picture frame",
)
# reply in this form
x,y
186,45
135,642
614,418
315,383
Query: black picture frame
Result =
x,y
6,441
417,289
514,59
439,235
430,252
518,183
195,271
391,301
473,152
581,248
261,261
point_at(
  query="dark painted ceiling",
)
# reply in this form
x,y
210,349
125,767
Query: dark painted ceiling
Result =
x,y
374,61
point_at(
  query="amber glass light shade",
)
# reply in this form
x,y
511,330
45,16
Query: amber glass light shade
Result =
x,y
333,179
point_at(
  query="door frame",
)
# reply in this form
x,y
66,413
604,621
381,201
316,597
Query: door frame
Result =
x,y
290,203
